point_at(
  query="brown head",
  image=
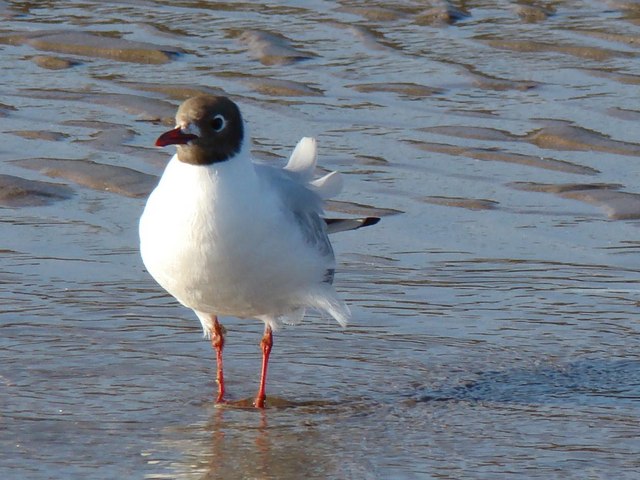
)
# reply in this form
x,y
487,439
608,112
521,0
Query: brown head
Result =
x,y
209,129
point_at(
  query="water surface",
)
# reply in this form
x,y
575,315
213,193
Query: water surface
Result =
x,y
495,330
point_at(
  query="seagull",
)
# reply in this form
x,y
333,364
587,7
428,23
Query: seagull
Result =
x,y
227,236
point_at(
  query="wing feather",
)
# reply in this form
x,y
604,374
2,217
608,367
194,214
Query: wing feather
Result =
x,y
303,196
303,159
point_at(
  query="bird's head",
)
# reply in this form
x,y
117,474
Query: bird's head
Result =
x,y
209,129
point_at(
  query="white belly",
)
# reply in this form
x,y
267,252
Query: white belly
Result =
x,y
218,250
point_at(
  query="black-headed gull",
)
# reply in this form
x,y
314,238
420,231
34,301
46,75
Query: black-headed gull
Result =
x,y
227,236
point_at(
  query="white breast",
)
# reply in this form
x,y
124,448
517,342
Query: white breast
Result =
x,y
220,242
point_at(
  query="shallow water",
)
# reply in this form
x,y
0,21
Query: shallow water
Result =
x,y
495,330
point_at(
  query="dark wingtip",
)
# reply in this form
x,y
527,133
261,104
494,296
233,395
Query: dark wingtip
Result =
x,y
369,221
336,225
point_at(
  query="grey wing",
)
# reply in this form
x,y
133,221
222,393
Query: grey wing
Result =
x,y
305,206
314,231
295,192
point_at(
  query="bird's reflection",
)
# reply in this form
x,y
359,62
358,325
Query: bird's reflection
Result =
x,y
239,442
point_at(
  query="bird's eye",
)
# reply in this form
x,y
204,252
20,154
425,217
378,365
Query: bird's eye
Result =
x,y
218,123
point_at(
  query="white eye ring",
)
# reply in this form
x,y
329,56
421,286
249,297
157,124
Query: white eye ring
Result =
x,y
222,120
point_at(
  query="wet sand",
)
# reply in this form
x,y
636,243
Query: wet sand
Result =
x,y
495,331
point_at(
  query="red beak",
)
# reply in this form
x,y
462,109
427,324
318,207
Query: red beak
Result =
x,y
174,137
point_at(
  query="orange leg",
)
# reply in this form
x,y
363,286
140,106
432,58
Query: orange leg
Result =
x,y
217,342
265,344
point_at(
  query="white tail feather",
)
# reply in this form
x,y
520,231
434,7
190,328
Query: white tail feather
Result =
x,y
326,301
303,159
328,186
